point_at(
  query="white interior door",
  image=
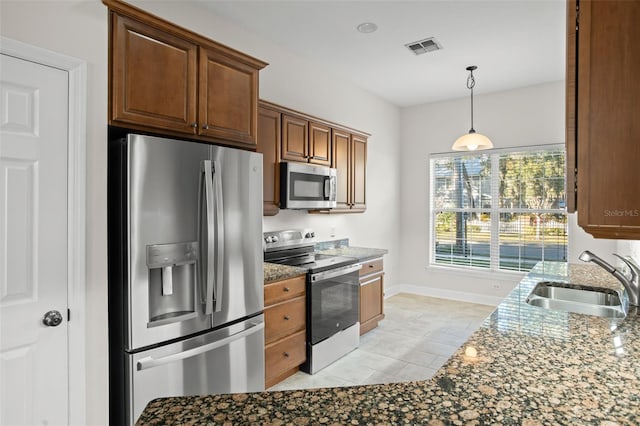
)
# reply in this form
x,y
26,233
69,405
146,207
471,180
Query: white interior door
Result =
x,y
33,243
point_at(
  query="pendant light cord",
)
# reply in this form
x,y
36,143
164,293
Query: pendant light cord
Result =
x,y
471,82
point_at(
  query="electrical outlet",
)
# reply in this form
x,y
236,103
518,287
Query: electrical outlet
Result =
x,y
332,232
496,286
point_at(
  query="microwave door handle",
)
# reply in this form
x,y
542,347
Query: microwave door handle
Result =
x,y
219,230
150,362
326,191
208,276
332,194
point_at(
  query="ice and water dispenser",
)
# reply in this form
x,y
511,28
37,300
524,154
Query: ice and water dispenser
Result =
x,y
172,282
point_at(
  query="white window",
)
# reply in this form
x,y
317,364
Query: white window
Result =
x,y
498,209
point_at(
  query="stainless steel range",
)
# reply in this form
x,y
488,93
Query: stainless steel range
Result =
x,y
333,295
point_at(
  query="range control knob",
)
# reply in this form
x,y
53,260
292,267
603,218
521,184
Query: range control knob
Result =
x,y
310,235
274,239
268,239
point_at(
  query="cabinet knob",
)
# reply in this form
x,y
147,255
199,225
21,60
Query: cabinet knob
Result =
x,y
206,127
286,289
370,266
286,317
286,354
194,125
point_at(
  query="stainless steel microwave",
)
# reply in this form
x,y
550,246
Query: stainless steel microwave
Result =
x,y
306,186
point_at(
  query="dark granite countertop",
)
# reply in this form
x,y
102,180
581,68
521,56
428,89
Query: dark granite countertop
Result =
x,y
275,272
525,366
360,253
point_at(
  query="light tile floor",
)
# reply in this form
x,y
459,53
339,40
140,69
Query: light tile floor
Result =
x,y
414,340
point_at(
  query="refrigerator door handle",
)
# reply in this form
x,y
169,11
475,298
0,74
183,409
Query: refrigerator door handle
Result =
x,y
208,276
219,229
150,362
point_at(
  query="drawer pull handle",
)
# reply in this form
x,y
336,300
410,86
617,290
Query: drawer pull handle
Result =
x,y
370,266
286,289
286,317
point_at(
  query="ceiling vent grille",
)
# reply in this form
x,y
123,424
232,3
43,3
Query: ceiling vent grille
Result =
x,y
423,46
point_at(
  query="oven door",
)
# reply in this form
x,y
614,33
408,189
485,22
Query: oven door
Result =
x,y
334,302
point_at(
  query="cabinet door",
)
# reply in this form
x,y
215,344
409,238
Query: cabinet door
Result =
x,y
359,173
294,138
319,144
153,77
341,162
228,105
608,124
371,302
269,146
570,106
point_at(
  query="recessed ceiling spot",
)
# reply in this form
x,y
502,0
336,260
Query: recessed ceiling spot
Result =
x,y
367,27
423,46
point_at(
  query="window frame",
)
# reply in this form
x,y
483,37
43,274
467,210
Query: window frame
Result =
x,y
493,270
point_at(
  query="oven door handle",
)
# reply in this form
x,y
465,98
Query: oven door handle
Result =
x,y
332,273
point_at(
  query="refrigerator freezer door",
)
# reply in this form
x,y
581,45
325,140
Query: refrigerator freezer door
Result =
x,y
226,360
165,299
239,287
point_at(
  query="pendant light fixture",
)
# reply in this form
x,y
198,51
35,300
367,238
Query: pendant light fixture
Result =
x,y
472,141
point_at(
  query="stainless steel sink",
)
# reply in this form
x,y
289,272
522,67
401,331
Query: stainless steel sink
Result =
x,y
598,301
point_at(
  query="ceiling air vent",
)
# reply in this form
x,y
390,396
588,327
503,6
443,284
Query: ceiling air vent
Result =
x,y
423,46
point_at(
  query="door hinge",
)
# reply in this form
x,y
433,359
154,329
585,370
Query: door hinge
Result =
x,y
575,180
577,15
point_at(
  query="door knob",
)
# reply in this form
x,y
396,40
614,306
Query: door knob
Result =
x,y
52,319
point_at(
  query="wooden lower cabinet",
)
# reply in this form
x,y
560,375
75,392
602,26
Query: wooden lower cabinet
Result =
x,y
371,294
283,358
285,328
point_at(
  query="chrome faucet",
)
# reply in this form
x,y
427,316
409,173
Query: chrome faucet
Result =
x,y
631,285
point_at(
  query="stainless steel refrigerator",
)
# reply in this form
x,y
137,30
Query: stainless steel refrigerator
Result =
x,y
185,271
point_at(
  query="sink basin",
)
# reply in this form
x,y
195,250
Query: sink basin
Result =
x,y
598,301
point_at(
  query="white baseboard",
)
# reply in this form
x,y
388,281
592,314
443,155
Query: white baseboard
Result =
x,y
442,294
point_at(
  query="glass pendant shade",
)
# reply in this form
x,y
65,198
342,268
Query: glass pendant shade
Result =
x,y
472,141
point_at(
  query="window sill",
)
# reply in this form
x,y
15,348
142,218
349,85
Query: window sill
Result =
x,y
467,272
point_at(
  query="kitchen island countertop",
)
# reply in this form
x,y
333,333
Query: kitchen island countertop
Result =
x,y
525,365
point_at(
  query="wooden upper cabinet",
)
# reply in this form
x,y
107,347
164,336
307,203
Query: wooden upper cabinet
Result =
x,y
570,107
154,77
607,124
350,161
269,146
228,98
170,81
359,176
305,141
319,144
341,162
295,138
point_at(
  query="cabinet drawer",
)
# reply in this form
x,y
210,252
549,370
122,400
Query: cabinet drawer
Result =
x,y
284,355
371,267
283,290
284,318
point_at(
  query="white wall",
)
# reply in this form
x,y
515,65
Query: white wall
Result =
x,y
527,116
79,28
